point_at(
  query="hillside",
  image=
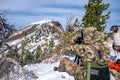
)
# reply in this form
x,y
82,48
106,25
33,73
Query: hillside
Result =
x,y
41,33
38,28
34,43
34,48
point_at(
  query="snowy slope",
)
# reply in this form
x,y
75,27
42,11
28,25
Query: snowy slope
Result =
x,y
42,22
43,32
38,34
45,71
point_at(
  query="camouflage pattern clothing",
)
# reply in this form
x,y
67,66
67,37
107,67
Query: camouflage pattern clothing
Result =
x,y
93,48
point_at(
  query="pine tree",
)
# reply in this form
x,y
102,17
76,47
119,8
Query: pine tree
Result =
x,y
94,15
38,54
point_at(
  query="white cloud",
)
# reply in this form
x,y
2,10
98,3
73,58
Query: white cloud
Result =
x,y
37,7
21,5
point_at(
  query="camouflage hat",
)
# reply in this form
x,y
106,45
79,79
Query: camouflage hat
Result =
x,y
89,34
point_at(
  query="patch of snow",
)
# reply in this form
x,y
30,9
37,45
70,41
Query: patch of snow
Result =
x,y
16,33
41,22
14,42
45,71
48,21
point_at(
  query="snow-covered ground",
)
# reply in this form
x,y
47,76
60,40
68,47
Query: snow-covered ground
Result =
x,y
45,71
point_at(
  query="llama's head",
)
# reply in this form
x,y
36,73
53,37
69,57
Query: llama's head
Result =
x,y
114,28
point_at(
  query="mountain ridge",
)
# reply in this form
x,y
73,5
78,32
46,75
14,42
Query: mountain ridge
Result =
x,y
34,26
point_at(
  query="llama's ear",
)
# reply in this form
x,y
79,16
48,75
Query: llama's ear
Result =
x,y
111,28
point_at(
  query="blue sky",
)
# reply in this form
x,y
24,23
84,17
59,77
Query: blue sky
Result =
x,y
23,12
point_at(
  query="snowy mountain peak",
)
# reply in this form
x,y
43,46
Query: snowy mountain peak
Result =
x,y
46,24
41,22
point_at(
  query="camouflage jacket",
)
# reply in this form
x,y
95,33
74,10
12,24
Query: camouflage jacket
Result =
x,y
93,47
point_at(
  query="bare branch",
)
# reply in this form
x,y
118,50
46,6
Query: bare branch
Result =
x,y
68,22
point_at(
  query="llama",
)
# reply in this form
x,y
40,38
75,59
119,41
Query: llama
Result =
x,y
116,39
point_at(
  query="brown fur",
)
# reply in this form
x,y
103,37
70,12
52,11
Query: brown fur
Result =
x,y
114,28
68,65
